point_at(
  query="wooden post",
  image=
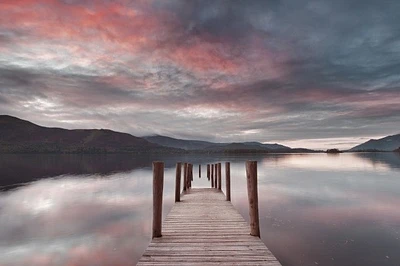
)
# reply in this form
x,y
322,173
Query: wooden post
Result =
x,y
158,186
178,182
184,176
190,175
187,176
212,175
208,171
199,170
215,175
219,176
252,193
228,180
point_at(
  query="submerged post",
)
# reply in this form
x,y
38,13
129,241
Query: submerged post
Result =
x,y
212,175
184,176
252,193
219,176
158,186
178,182
228,180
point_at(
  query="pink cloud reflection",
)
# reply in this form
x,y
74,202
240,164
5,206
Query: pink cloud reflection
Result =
x,y
76,221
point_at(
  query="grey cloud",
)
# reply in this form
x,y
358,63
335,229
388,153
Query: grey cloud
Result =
x,y
3,100
330,43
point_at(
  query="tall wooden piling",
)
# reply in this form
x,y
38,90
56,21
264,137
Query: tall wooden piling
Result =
x,y
212,175
252,193
185,176
208,171
191,173
190,179
219,176
178,182
216,175
199,170
228,180
158,187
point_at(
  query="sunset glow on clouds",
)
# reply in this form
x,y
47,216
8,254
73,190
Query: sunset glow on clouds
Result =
x,y
289,71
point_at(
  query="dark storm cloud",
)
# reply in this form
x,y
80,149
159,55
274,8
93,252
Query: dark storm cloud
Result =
x,y
218,18
329,42
263,70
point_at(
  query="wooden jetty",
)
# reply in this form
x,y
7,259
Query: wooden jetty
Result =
x,y
203,227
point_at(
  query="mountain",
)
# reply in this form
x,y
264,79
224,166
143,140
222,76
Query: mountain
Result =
x,y
388,143
274,146
20,136
212,146
179,143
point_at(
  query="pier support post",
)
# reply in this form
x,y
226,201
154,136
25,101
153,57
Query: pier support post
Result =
x,y
252,193
199,170
212,175
178,182
191,174
228,180
208,171
219,176
190,179
158,186
184,176
216,175
187,176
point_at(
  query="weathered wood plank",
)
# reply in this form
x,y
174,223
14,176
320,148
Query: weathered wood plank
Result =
x,y
205,229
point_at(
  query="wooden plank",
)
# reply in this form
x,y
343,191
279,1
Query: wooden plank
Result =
x,y
205,229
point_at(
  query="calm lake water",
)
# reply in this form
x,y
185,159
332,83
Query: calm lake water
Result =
x,y
315,209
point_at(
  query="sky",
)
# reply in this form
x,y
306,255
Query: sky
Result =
x,y
315,74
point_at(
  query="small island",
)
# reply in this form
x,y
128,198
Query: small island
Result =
x,y
333,151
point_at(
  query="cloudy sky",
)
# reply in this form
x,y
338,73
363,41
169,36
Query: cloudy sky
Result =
x,y
316,74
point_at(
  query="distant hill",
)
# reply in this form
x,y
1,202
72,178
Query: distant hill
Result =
x,y
247,146
179,143
274,146
237,148
389,143
215,147
20,136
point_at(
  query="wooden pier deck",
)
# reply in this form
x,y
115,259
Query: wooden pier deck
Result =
x,y
205,229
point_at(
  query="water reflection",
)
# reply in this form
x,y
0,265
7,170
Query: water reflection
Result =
x,y
19,169
75,221
315,209
325,216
